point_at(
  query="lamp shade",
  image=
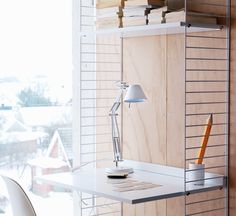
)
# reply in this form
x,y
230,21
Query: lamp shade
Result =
x,y
134,94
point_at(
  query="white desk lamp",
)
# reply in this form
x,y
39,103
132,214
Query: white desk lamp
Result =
x,y
134,94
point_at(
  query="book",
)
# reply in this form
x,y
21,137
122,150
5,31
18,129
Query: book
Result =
x,y
179,16
145,2
159,3
131,3
109,17
112,22
109,3
175,5
156,15
108,12
134,11
136,14
158,10
134,21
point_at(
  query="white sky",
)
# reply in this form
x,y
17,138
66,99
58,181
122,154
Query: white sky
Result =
x,y
36,39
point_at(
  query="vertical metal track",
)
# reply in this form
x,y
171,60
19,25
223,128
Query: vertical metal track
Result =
x,y
185,122
100,67
122,79
227,211
207,84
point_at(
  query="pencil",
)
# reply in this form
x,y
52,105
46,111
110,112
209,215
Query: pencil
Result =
x,y
205,140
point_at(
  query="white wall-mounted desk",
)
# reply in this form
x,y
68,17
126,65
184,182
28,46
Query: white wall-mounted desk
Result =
x,y
171,179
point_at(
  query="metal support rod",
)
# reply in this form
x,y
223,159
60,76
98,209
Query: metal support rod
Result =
x,y
115,128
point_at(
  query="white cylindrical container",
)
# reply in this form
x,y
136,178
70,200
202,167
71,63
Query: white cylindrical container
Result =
x,y
196,173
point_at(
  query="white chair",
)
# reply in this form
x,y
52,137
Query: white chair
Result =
x,y
20,203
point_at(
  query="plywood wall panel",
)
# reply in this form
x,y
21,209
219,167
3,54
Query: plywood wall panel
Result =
x,y
145,209
157,125
144,129
175,112
175,100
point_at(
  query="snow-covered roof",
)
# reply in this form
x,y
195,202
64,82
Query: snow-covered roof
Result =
x,y
63,138
12,137
38,116
47,162
46,116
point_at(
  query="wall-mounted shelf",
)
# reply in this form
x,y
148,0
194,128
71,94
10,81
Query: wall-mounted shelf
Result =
x,y
170,181
158,29
190,69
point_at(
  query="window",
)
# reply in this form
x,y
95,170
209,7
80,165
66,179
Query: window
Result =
x,y
36,98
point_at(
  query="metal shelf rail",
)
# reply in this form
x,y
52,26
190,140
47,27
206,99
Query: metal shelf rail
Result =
x,y
99,69
206,93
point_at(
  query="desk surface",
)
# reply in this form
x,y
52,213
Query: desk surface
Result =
x,y
169,179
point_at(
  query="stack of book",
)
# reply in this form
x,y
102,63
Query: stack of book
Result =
x,y
134,15
156,3
163,15
179,16
136,12
157,16
123,13
109,13
101,4
175,5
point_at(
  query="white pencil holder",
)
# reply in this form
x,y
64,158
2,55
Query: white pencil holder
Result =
x,y
196,173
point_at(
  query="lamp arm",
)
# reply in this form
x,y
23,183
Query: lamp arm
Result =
x,y
115,128
116,103
116,139
123,86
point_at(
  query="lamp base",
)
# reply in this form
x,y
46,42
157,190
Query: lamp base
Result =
x,y
119,171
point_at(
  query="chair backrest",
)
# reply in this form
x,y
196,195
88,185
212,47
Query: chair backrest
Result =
x,y
20,203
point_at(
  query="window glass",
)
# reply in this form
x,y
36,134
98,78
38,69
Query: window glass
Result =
x,y
36,99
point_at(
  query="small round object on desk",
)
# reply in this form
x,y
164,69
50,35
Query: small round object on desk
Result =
x,y
118,172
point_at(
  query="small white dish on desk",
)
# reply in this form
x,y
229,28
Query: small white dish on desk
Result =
x,y
118,172
115,175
